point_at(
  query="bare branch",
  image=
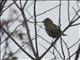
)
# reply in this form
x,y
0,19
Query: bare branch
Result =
x,y
17,43
35,24
77,53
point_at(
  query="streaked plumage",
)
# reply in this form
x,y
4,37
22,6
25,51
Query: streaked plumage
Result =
x,y
52,29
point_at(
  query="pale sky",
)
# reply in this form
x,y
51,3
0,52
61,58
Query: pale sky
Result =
x,y
72,33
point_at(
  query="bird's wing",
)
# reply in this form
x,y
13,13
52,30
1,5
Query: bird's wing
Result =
x,y
55,27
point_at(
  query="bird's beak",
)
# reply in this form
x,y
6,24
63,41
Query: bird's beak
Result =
x,y
42,21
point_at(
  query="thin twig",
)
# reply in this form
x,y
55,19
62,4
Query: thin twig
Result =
x,y
67,48
10,34
62,49
16,43
72,54
68,11
60,14
35,22
77,53
74,44
45,11
27,28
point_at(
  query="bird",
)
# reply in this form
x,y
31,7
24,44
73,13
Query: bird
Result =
x,y
52,29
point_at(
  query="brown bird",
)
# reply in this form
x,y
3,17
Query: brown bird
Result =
x,y
52,29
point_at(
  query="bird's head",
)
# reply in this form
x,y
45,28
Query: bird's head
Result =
x,y
47,21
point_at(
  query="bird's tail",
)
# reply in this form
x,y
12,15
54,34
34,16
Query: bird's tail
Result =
x,y
64,34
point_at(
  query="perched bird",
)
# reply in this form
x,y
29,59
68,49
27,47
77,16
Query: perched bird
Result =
x,y
52,29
